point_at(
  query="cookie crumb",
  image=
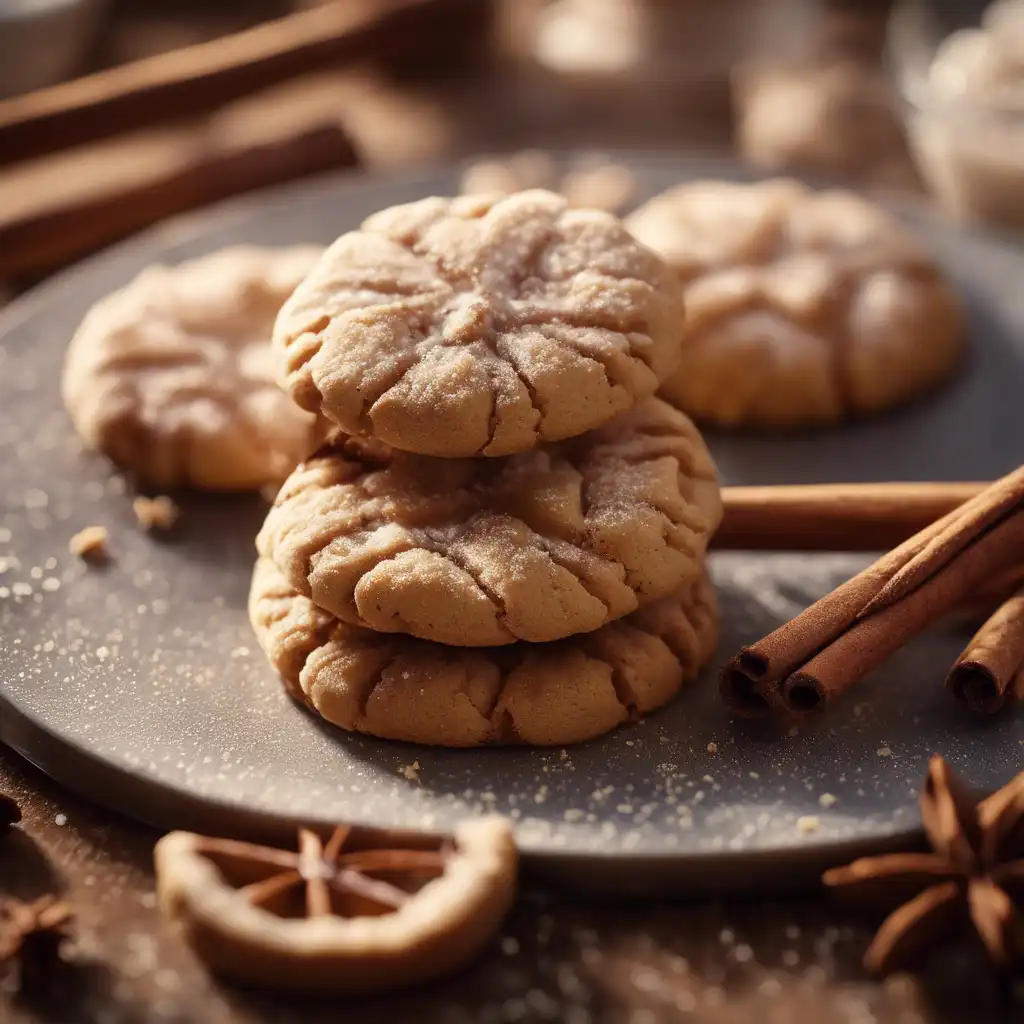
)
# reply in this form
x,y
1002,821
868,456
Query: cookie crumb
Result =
x,y
712,748
883,752
90,544
411,771
807,824
158,513
827,800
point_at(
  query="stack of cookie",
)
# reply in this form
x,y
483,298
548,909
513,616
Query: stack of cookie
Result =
x,y
504,538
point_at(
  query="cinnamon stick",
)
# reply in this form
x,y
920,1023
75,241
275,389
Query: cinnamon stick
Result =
x,y
875,637
810,660
38,243
833,517
989,675
196,79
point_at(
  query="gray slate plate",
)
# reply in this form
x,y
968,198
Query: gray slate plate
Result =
x,y
141,686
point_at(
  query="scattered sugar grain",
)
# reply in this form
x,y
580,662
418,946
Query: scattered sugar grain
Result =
x,y
90,544
159,513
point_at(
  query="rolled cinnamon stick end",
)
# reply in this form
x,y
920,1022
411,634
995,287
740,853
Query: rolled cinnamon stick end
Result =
x,y
989,675
872,639
743,687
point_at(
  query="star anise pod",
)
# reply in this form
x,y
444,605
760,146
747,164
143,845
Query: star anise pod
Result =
x,y
974,876
10,812
31,935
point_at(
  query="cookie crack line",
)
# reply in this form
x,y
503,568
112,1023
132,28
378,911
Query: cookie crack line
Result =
x,y
366,694
495,598
564,563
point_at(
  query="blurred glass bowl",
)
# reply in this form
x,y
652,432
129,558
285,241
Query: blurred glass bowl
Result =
x,y
964,109
42,42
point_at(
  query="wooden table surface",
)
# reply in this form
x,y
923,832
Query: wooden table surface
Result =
x,y
789,961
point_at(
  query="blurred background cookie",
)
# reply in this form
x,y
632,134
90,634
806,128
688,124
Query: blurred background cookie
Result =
x,y
173,378
802,307
592,183
831,117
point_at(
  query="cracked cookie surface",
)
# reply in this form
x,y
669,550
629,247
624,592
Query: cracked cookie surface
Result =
x,y
173,376
803,307
401,688
482,552
480,325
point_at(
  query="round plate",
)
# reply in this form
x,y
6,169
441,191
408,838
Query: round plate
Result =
x,y
141,684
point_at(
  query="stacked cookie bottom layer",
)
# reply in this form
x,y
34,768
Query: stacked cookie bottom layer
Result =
x,y
402,688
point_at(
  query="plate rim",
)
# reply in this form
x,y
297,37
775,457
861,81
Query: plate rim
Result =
x,y
23,732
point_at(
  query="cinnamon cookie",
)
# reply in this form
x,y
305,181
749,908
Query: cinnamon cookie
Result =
x,y
173,376
480,552
480,325
803,307
400,688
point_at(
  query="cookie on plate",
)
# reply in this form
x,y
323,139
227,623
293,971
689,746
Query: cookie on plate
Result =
x,y
401,688
480,325
173,376
803,307
482,552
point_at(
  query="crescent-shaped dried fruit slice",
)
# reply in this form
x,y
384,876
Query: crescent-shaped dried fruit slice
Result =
x,y
338,916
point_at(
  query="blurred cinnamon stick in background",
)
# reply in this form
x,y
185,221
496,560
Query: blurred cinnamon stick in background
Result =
x,y
834,517
156,137
36,243
191,81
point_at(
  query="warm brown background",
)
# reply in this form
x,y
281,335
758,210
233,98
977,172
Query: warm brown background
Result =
x,y
795,961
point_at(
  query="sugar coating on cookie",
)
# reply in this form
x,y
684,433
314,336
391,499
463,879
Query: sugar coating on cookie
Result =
x,y
480,325
400,688
802,307
173,376
482,552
